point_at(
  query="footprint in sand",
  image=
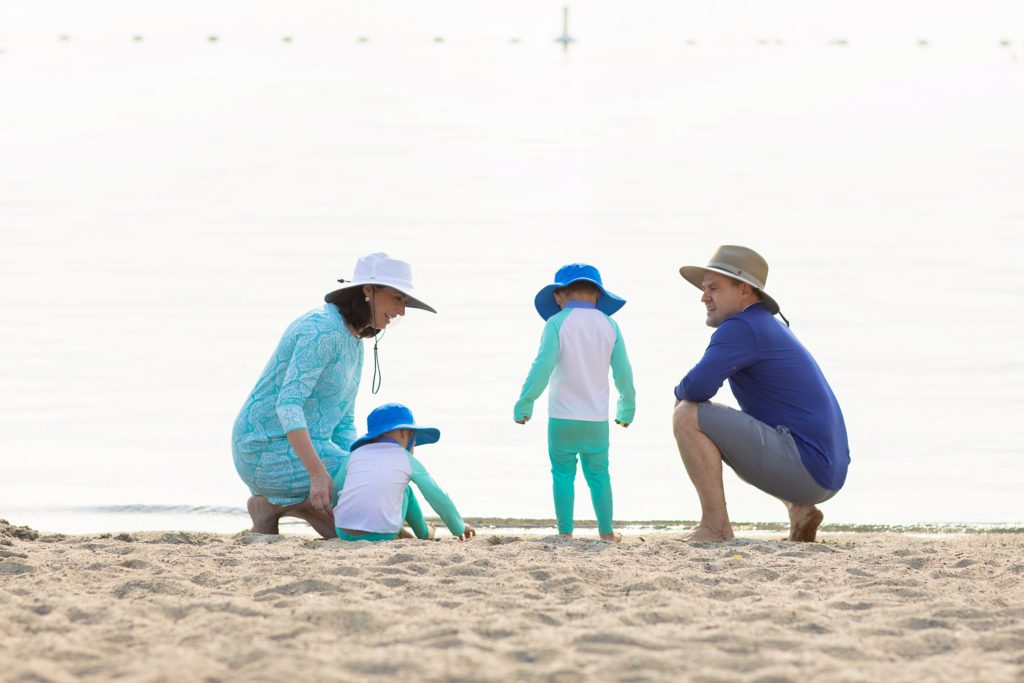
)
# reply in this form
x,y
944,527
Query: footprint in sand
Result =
x,y
344,621
297,588
138,589
11,567
374,668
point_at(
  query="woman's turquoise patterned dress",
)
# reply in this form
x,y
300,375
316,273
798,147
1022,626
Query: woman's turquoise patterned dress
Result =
x,y
311,381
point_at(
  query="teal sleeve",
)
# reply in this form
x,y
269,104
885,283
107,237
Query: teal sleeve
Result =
x,y
437,498
413,515
345,433
312,352
540,371
622,373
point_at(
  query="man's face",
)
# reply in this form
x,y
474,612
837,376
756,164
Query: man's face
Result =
x,y
723,298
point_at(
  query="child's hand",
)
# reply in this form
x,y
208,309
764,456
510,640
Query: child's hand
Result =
x,y
522,420
469,533
624,424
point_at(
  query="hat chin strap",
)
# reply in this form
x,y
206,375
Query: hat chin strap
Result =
x,y
378,376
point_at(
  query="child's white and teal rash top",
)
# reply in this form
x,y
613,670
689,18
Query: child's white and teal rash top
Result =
x,y
377,476
576,348
310,382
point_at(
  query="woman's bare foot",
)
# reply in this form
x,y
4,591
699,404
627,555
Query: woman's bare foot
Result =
x,y
265,515
710,535
804,521
613,537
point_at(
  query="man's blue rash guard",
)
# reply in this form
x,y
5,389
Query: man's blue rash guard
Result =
x,y
776,381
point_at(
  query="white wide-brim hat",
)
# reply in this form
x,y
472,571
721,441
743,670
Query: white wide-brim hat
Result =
x,y
382,270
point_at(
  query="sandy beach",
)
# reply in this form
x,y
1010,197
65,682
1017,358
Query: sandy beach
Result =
x,y
182,606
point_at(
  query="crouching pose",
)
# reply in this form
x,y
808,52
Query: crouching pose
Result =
x,y
788,438
376,497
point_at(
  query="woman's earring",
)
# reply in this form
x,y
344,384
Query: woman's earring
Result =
x,y
366,298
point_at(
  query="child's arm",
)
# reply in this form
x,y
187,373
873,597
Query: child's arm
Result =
x,y
540,373
622,373
437,498
413,515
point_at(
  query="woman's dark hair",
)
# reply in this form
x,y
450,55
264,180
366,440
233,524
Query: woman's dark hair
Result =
x,y
355,309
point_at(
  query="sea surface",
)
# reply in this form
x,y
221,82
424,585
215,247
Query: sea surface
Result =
x,y
179,181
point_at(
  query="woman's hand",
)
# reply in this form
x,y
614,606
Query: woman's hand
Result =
x,y
468,533
321,488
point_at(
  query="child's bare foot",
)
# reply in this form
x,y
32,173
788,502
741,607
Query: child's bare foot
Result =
x,y
804,521
613,537
405,533
709,535
265,515
567,535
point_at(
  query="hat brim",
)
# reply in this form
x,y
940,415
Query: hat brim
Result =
x,y
410,300
424,435
547,306
695,276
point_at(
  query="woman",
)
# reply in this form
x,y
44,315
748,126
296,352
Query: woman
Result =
x,y
292,438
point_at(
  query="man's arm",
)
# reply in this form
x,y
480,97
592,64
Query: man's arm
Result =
x,y
732,348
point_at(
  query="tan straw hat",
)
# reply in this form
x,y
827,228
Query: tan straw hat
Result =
x,y
739,263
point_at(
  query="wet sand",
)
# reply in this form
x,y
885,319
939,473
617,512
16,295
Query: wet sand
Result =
x,y
182,606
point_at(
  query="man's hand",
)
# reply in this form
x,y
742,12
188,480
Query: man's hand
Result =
x,y
469,533
522,420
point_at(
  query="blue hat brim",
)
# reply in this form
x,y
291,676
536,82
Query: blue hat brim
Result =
x,y
546,305
424,436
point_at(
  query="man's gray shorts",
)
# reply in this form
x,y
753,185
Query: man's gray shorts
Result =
x,y
764,457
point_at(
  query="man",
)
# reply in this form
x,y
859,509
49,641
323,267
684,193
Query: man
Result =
x,y
790,438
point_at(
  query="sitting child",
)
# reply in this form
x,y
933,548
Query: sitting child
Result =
x,y
376,497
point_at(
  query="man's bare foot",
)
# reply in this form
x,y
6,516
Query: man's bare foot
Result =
x,y
804,521
709,535
265,515
613,537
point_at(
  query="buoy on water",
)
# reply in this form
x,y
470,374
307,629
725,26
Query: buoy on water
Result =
x,y
565,38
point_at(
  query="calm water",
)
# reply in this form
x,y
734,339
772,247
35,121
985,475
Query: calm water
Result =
x,y
169,205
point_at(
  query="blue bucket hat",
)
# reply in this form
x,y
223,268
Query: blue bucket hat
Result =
x,y
545,302
395,416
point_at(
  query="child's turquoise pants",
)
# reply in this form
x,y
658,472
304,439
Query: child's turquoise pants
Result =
x,y
589,440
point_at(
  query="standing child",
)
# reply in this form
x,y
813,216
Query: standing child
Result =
x,y
376,497
578,344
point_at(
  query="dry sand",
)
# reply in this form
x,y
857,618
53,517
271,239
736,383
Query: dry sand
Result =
x,y
187,606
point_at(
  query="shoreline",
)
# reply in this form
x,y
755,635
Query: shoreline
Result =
x,y
173,605
120,518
